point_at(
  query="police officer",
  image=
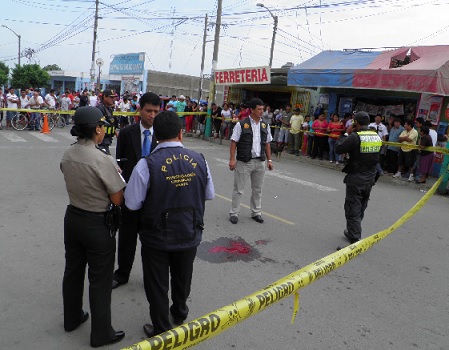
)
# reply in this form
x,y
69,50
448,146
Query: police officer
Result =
x,y
93,183
107,107
363,147
170,186
250,139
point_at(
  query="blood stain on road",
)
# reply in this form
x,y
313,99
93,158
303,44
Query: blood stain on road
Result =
x,y
225,249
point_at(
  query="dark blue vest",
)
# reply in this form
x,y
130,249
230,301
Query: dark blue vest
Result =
x,y
245,143
173,211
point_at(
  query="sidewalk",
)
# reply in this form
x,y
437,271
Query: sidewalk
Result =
x,y
326,164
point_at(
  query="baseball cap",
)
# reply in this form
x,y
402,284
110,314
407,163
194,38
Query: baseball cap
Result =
x,y
182,97
109,93
89,115
362,118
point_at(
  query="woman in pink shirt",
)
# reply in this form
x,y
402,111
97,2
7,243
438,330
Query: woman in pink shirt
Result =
x,y
319,126
335,130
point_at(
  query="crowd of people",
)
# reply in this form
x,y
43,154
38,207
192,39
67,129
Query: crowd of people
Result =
x,y
315,137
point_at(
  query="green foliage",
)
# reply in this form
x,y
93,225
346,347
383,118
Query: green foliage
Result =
x,y
4,73
50,67
29,75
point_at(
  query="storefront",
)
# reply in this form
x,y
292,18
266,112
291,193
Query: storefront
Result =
x,y
408,82
381,78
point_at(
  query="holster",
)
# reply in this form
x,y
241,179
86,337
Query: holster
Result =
x,y
113,218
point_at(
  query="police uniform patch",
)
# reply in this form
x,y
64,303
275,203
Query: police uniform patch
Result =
x,y
264,125
246,125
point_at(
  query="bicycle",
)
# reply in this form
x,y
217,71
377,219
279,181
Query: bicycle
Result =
x,y
23,119
56,118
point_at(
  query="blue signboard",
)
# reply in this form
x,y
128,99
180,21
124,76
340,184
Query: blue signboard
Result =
x,y
128,63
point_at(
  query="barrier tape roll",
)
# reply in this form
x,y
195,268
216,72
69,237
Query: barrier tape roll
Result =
x,y
212,324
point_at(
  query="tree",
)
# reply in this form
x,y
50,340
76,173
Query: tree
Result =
x,y
29,75
4,73
49,67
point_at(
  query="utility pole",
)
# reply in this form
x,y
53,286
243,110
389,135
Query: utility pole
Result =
x,y
92,67
203,56
275,26
19,37
207,132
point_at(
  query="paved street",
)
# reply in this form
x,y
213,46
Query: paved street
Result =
x,y
395,296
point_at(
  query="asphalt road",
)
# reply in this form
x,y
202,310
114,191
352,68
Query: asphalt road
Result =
x,y
395,296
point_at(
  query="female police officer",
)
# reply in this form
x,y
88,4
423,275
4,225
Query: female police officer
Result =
x,y
93,183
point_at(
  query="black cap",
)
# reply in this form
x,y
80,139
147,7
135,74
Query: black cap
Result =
x,y
89,115
297,109
107,93
362,118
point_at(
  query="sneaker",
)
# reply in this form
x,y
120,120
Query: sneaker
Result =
x,y
234,219
411,178
397,175
331,161
336,163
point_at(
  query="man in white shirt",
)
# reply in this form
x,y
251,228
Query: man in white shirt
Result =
x,y
50,99
250,148
382,131
65,106
36,102
24,99
12,101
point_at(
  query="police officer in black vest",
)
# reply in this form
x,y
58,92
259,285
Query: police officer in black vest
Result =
x,y
251,138
170,186
107,108
363,147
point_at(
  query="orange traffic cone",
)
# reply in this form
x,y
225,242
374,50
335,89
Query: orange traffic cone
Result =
x,y
45,128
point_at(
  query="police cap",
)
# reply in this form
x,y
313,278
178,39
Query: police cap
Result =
x,y
362,118
89,115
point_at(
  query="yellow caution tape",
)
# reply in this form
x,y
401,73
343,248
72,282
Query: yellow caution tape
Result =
x,y
295,306
218,321
59,111
44,111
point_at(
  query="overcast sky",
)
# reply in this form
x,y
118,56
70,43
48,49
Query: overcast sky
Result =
x,y
171,32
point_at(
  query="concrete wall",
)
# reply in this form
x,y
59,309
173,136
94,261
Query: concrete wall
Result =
x,y
168,84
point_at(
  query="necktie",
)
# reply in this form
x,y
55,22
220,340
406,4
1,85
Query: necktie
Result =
x,y
146,143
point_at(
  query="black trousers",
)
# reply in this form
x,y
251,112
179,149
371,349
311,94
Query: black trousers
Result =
x,y
127,243
87,241
392,161
319,146
158,267
355,204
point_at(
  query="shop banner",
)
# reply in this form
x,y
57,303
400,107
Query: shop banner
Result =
x,y
429,107
239,76
129,63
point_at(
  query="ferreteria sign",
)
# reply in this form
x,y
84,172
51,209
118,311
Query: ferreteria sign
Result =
x,y
254,75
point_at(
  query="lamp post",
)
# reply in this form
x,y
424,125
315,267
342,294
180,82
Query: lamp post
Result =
x,y
275,27
18,36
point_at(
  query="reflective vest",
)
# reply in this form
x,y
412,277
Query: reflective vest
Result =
x,y
366,156
370,142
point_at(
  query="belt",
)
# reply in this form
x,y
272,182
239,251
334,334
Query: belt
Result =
x,y
82,211
256,158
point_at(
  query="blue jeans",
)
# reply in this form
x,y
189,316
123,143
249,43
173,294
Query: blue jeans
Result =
x,y
35,121
332,155
10,115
